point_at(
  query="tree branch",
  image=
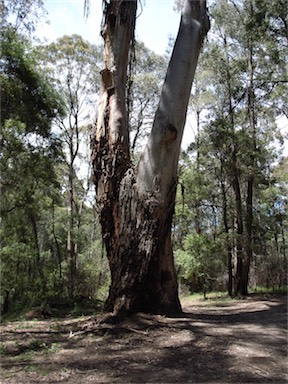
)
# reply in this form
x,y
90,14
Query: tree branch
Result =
x,y
162,151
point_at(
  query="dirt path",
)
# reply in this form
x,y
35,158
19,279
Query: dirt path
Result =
x,y
241,341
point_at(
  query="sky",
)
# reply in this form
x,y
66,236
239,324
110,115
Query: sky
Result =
x,y
155,22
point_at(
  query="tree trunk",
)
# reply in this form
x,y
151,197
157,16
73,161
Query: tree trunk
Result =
x,y
226,228
244,278
197,202
57,246
70,248
39,262
283,264
239,233
251,178
136,204
73,141
235,182
6,303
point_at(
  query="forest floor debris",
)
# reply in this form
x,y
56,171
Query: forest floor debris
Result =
x,y
214,341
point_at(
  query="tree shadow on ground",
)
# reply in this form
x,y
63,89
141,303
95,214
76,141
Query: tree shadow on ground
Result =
x,y
243,343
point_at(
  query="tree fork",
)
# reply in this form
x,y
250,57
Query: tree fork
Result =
x,y
137,204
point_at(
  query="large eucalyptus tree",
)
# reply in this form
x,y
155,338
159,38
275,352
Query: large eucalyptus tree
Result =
x,y
136,204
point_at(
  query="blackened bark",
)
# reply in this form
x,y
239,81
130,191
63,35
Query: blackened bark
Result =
x,y
143,276
110,152
136,205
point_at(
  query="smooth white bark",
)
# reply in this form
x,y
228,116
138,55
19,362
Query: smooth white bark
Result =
x,y
157,168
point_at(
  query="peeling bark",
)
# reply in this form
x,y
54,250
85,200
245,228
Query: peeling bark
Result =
x,y
136,205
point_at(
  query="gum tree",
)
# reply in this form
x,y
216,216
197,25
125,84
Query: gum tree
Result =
x,y
136,203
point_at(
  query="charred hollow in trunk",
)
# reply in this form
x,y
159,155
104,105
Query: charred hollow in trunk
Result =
x,y
141,261
136,205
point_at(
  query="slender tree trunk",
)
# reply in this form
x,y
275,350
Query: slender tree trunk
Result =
x,y
197,203
57,246
251,178
239,232
137,204
228,244
38,253
73,141
70,248
235,184
243,288
284,264
239,214
6,303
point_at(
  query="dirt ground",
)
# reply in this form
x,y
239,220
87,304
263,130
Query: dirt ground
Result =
x,y
214,341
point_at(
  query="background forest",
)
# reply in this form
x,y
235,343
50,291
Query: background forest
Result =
x,y
233,176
